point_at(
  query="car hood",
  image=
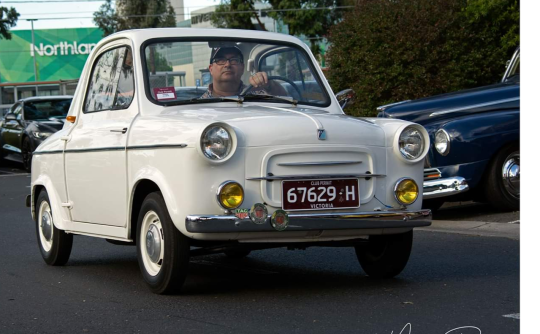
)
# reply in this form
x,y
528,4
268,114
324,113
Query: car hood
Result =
x,y
269,125
481,99
47,126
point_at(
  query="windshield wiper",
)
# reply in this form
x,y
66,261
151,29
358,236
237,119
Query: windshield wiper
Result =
x,y
266,97
238,99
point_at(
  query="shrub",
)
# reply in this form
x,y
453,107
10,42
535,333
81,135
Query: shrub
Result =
x,y
394,50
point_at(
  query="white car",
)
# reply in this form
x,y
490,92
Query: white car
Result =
x,y
147,156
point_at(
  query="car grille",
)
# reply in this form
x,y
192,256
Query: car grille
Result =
x,y
432,174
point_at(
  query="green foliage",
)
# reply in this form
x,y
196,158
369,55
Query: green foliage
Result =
x,y
299,15
8,19
134,14
390,51
223,18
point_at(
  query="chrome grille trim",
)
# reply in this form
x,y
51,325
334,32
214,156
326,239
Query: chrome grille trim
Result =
x,y
317,163
432,171
313,176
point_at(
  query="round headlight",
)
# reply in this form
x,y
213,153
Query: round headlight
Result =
x,y
411,143
230,195
442,142
216,143
406,191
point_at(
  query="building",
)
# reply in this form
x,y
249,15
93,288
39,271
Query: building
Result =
x,y
60,55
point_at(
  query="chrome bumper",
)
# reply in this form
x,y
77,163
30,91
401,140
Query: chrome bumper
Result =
x,y
445,187
312,221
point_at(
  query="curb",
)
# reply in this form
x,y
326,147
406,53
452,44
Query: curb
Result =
x,y
483,229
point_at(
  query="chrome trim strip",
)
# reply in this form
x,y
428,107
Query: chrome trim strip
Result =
x,y
386,106
445,187
431,171
323,163
140,147
511,64
474,106
311,222
316,176
144,147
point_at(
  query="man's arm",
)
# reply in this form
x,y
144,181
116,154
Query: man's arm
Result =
x,y
260,80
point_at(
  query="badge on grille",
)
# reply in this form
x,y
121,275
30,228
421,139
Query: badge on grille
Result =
x,y
280,220
258,213
241,213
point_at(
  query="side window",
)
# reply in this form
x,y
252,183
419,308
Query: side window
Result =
x,y
111,84
292,65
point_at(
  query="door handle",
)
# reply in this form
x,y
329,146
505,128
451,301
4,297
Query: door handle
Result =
x,y
124,130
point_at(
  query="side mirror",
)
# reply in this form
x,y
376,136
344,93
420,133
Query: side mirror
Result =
x,y
11,117
345,97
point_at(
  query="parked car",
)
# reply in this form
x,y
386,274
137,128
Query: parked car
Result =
x,y
181,176
474,133
28,123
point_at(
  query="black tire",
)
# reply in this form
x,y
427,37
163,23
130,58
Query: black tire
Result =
x,y
26,152
55,248
385,256
501,193
237,253
432,204
165,273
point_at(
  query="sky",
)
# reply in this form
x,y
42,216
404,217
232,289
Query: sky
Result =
x,y
56,15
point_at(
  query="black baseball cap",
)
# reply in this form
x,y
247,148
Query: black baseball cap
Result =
x,y
221,51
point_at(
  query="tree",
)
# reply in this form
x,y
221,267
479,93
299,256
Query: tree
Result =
x,y
8,19
390,51
303,17
134,14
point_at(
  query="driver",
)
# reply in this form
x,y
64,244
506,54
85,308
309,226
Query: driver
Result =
x,y
227,67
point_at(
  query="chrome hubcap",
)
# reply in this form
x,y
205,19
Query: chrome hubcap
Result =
x,y
46,227
510,174
153,243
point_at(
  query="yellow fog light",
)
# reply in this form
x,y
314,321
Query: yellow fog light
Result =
x,y
406,191
230,195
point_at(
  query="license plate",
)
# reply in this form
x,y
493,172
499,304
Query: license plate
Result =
x,y
320,194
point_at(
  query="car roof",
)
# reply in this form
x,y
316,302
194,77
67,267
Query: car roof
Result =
x,y
46,98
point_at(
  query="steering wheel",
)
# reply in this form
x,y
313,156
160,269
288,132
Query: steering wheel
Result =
x,y
250,87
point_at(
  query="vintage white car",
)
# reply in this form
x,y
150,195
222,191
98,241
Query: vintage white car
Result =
x,y
188,142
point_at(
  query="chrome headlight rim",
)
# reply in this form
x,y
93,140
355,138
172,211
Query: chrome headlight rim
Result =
x,y
218,194
447,150
426,139
398,182
232,135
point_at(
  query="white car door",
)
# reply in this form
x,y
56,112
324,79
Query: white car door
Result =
x,y
95,154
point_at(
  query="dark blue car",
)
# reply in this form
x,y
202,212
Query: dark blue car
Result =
x,y
474,153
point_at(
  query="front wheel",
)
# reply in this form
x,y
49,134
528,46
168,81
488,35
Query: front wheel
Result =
x,y
54,244
502,188
162,251
385,256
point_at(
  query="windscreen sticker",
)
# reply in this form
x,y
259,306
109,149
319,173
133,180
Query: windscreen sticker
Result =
x,y
165,93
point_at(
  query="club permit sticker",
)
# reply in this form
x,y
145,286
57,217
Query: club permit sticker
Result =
x,y
165,93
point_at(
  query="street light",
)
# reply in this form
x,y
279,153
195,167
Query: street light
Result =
x,y
34,53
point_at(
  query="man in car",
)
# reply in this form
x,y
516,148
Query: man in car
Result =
x,y
227,67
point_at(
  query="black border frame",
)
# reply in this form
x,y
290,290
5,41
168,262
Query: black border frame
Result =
x,y
219,39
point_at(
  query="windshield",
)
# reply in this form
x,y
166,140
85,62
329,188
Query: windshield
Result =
x,y
45,110
206,71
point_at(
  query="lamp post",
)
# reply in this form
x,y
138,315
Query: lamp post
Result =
x,y
33,52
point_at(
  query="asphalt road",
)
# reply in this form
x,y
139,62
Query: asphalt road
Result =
x,y
451,281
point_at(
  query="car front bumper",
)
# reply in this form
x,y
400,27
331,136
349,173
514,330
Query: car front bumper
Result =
x,y
312,221
445,187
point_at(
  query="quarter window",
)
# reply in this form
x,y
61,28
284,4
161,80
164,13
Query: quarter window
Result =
x,y
111,85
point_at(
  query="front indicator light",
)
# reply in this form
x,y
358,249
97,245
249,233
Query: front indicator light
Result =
x,y
230,195
406,191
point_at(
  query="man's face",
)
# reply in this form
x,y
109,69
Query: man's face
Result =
x,y
227,73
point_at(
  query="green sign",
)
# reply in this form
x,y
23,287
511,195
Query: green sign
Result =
x,y
60,54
